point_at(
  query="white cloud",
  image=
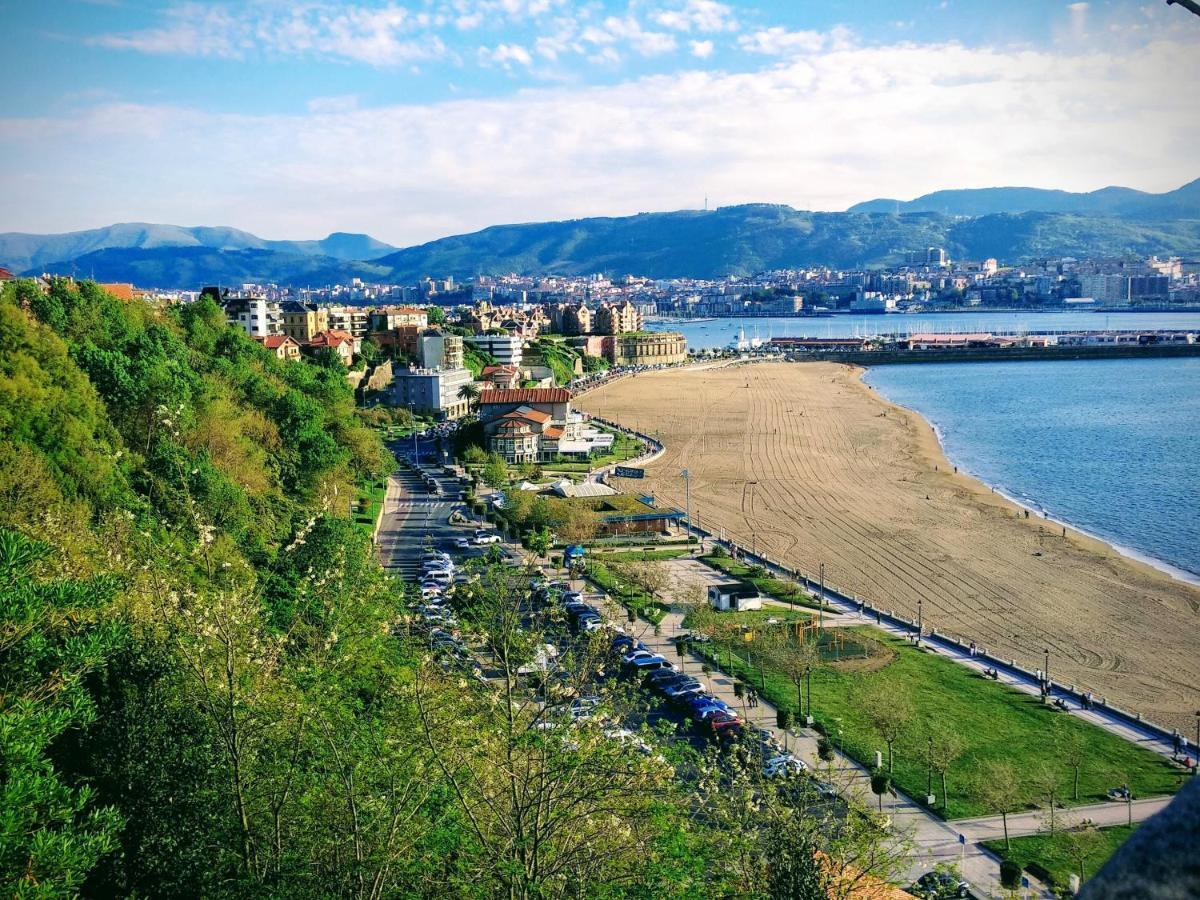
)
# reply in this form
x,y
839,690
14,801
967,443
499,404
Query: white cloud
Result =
x,y
779,41
378,36
701,15
628,30
821,130
701,49
504,54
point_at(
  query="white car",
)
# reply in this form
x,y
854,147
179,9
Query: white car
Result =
x,y
438,577
487,537
462,543
783,765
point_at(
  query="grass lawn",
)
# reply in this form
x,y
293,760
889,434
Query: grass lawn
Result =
x,y
370,502
995,722
787,591
1049,857
643,555
632,598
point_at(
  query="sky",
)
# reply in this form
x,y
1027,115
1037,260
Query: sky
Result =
x,y
416,119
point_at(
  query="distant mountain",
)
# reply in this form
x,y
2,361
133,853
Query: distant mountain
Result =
x,y
1183,202
740,240
194,267
25,252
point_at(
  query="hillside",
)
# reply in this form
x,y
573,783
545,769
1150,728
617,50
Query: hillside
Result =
x,y
23,252
740,240
1184,202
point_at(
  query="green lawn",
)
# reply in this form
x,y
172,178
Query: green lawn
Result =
x,y
370,502
1049,857
635,599
778,588
642,555
995,722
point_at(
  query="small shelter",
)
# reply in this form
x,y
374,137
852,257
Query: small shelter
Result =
x,y
734,596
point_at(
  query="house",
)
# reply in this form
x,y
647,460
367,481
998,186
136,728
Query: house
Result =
x,y
617,318
300,321
388,317
438,349
524,424
257,316
6,275
734,596
281,345
504,348
502,377
120,290
341,342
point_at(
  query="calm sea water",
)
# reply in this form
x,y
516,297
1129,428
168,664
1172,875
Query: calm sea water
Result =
x,y
1109,446
703,334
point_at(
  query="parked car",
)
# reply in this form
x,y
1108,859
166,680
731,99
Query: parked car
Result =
x,y
723,726
940,883
783,766
462,543
644,664
438,577
483,536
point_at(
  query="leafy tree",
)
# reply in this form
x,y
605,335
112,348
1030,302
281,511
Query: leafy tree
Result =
x,y
541,540
52,833
1047,783
495,471
796,660
945,747
436,315
1081,843
1071,746
470,393
889,711
1002,791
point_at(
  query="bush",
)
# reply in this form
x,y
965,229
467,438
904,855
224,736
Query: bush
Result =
x,y
825,750
819,728
1010,874
783,718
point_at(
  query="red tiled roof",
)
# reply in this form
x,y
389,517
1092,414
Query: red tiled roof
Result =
x,y
493,370
6,275
330,338
529,395
554,432
122,291
533,415
275,341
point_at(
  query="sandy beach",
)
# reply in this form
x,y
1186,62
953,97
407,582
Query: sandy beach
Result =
x,y
813,466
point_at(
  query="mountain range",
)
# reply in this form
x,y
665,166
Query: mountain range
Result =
x,y
1010,224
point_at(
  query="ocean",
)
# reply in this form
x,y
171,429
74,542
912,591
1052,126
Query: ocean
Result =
x,y
702,334
1110,447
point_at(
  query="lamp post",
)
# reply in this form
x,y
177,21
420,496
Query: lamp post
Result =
x,y
920,620
821,601
687,494
1046,670
1197,746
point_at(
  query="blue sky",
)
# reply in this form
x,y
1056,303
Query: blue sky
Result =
x,y
413,119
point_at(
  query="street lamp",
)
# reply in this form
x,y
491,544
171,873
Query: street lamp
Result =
x,y
1046,670
821,601
1197,747
687,493
920,620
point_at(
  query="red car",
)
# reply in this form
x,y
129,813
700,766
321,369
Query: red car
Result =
x,y
723,725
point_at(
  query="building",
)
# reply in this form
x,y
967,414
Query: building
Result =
x,y
571,318
734,596
505,348
617,318
656,348
1107,289
300,321
281,345
403,341
388,317
351,319
121,290
432,392
257,316
501,377
538,425
340,342
439,350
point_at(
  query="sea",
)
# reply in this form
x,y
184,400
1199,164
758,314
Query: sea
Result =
x,y
1109,447
704,334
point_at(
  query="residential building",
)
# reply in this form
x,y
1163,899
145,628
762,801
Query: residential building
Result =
x,y
257,316
340,342
120,290
403,341
300,321
617,318
388,317
1109,289
281,345
571,318
501,376
351,319
505,348
438,349
656,348
538,424
432,391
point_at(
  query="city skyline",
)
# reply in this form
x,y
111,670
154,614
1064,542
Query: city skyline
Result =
x,y
415,121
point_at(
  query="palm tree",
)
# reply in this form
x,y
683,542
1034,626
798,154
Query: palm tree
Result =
x,y
470,393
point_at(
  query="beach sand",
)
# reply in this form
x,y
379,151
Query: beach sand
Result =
x,y
812,465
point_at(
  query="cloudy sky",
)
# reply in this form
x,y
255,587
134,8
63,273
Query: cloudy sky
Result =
x,y
414,119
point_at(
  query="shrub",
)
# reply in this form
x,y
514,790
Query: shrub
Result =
x,y
1010,874
783,718
825,750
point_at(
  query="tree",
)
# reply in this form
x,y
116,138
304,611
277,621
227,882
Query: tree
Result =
x,y
435,315
1081,843
495,471
1071,746
1002,791
889,711
945,747
574,523
541,540
796,659
53,832
793,866
1046,782
470,393
881,783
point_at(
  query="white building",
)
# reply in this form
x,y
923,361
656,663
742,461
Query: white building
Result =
x,y
734,596
257,316
506,348
432,391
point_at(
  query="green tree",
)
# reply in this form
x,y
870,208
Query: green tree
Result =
x,y
945,747
1002,791
541,540
890,711
470,393
436,315
495,471
52,833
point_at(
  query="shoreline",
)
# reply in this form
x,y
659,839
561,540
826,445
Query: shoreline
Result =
x,y
815,467
1184,576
